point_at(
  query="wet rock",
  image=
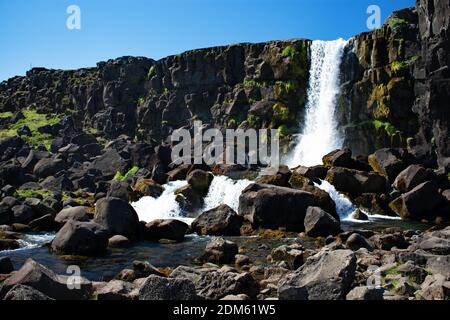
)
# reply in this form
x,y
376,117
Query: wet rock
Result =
x,y
258,203
419,203
365,293
6,265
40,278
200,180
357,241
25,293
314,173
324,276
319,223
9,244
72,213
411,177
44,223
356,182
23,214
220,221
220,251
159,288
81,238
169,229
117,217
119,241
359,215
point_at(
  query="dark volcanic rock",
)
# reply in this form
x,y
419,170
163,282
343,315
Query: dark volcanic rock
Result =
x,y
6,265
411,177
319,223
25,293
220,251
159,288
220,221
273,207
169,229
117,217
81,238
72,213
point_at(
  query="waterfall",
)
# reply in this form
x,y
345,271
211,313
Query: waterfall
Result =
x,y
223,190
320,134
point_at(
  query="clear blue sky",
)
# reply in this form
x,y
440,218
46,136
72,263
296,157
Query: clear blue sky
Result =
x,y
34,33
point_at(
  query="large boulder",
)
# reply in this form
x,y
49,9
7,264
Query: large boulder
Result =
x,y
109,163
220,251
72,213
356,182
25,293
419,203
274,207
327,275
6,265
23,214
38,277
48,167
293,255
387,162
411,177
159,288
117,290
117,217
81,238
200,180
169,229
319,223
220,221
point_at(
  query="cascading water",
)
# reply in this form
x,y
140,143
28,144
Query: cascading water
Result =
x,y
320,134
223,190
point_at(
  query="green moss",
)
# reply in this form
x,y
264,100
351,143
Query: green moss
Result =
x,y
6,115
131,172
280,113
33,120
151,72
282,131
397,24
381,100
390,129
250,83
289,51
141,101
30,193
254,121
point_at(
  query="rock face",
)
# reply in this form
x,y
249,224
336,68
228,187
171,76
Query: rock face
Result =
x,y
82,238
324,276
220,221
117,217
273,207
159,288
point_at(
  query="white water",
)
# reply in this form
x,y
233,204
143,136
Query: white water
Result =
x,y
224,190
345,208
31,241
163,207
320,135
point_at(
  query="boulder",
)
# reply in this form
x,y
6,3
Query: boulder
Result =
x,y
338,158
44,223
319,223
159,288
9,244
218,284
38,277
81,238
419,203
220,221
109,163
117,217
389,241
119,189
119,241
48,167
357,241
200,180
25,293
147,187
117,290
365,293
387,162
411,177
72,213
327,275
23,214
435,287
169,229
220,251
314,173
6,265
274,207
280,178
356,182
